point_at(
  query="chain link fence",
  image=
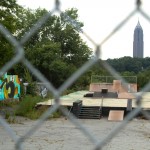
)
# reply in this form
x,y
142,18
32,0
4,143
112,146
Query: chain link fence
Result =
x,y
20,57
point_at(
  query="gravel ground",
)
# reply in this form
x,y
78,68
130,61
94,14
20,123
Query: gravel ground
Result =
x,y
61,134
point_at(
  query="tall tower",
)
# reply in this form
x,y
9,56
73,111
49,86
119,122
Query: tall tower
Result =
x,y
138,41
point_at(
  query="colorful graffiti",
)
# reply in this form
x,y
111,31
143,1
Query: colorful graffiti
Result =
x,y
9,87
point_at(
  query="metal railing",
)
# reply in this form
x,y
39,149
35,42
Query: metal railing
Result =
x,y
20,57
101,107
69,111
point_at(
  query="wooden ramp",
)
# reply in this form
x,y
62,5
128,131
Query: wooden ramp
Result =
x,y
116,115
97,87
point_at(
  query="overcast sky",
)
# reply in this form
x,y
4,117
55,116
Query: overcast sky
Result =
x,y
100,17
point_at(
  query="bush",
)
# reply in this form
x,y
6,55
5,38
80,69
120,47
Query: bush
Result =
x,y
31,88
27,108
22,91
27,105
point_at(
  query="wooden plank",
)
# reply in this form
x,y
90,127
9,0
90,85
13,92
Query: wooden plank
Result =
x,y
125,95
116,115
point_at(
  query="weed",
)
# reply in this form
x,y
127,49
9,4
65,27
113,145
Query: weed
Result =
x,y
12,119
27,108
7,114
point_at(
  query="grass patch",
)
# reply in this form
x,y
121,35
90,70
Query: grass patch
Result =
x,y
9,103
26,108
10,109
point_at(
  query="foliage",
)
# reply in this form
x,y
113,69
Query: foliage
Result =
x,y
9,11
7,108
27,108
22,91
143,78
31,87
8,103
128,66
57,47
27,76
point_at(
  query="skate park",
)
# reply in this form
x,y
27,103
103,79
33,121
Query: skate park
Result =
x,y
106,97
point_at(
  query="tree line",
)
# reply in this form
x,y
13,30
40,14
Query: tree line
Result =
x,y
128,66
56,49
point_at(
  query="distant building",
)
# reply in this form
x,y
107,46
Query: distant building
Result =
x,y
138,44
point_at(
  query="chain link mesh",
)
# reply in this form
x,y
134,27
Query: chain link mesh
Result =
x,y
19,57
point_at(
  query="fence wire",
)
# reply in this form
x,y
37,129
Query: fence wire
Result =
x,y
20,57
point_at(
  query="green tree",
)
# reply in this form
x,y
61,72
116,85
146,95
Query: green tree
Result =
x,y
56,49
143,78
126,64
146,63
9,11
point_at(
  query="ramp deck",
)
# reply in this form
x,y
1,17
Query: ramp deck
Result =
x,y
68,100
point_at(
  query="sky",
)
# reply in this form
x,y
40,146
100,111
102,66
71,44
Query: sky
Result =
x,y
100,17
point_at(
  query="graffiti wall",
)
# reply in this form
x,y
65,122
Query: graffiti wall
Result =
x,y
9,87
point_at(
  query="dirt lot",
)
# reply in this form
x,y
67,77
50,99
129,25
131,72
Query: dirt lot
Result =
x,y
61,134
